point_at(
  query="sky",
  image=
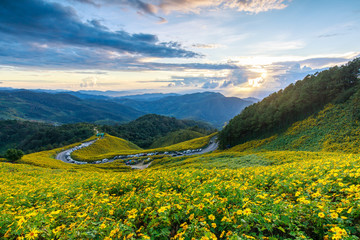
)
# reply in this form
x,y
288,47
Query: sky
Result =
x,y
242,48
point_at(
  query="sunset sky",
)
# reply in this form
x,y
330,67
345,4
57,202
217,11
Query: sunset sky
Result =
x,y
237,47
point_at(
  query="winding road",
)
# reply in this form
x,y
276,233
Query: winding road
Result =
x,y
65,155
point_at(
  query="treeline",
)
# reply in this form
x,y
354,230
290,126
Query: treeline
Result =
x,y
297,101
35,136
147,129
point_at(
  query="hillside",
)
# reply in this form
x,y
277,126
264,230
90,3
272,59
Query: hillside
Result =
x,y
61,108
176,137
274,114
211,107
108,145
147,129
37,136
335,128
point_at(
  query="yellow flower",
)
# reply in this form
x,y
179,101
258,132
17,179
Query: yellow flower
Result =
x,y
334,215
102,226
111,212
211,217
213,225
321,215
247,211
33,234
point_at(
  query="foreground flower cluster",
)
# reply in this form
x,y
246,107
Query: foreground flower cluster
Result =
x,y
310,199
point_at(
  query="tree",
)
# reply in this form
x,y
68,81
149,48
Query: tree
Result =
x,y
13,154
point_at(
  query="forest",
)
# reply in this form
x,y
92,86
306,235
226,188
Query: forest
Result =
x,y
275,113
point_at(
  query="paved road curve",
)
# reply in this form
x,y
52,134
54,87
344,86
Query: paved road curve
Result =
x,y
65,155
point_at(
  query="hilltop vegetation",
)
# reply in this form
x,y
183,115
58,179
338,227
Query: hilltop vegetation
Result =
x,y
147,129
176,137
335,128
36,136
296,102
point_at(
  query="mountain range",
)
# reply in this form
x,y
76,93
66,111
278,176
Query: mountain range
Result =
x,y
69,107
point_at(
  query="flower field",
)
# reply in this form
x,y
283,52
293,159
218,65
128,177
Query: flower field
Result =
x,y
306,197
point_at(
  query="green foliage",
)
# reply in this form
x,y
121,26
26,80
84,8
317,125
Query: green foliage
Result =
x,y
36,136
147,129
278,111
13,154
335,128
176,137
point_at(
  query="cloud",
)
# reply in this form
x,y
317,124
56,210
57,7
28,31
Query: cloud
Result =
x,y
56,25
251,6
328,35
23,54
152,8
142,7
89,82
201,45
256,6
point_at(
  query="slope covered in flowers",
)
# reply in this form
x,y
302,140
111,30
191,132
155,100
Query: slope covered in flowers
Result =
x,y
313,198
334,129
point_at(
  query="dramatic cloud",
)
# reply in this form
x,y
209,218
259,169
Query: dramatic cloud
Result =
x,y
50,23
152,8
141,6
22,54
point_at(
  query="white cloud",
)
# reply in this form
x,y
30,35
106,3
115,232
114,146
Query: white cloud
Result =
x,y
251,6
89,82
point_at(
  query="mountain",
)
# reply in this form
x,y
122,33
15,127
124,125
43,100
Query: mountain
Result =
x,y
147,129
338,86
148,96
251,99
211,107
61,108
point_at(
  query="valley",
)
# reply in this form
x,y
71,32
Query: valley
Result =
x,y
292,175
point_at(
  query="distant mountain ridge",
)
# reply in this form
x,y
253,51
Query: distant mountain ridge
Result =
x,y
90,106
61,108
212,107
